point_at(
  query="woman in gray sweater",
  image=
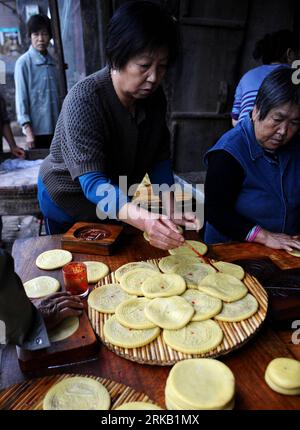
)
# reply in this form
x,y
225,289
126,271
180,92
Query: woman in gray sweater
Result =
x,y
112,131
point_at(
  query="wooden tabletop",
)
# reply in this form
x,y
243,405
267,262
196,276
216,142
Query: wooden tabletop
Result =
x,y
247,363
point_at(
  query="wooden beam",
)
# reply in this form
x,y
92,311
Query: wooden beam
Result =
x,y
208,22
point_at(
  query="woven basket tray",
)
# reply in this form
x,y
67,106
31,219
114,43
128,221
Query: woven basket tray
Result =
x,y
158,353
29,395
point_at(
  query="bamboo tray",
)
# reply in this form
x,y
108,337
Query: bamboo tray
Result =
x,y
29,395
158,353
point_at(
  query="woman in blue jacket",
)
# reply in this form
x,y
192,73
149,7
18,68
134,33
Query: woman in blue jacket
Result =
x,y
252,189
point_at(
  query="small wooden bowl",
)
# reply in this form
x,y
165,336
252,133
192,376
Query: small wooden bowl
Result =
x,y
91,238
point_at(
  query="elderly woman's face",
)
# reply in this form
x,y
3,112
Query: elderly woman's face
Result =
x,y
40,40
142,74
279,127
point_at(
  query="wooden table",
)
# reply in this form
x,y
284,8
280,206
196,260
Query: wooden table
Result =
x,y
248,363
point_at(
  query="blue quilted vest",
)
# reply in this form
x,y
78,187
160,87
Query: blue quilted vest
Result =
x,y
270,196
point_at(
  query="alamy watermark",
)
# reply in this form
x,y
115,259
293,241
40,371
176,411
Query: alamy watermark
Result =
x,y
2,333
2,72
296,333
112,198
296,74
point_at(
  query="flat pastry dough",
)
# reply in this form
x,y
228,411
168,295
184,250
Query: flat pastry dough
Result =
x,y
169,312
132,281
239,310
64,330
41,286
280,390
124,337
77,393
195,338
53,259
168,264
295,252
136,406
131,266
205,306
107,297
96,271
131,314
201,384
283,375
193,273
163,285
186,250
223,286
230,268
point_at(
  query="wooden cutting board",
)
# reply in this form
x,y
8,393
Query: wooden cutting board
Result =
x,y
29,395
81,346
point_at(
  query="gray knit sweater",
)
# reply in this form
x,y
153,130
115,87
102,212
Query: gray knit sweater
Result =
x,y
96,133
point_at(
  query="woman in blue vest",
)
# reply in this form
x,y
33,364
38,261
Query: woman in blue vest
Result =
x,y
252,189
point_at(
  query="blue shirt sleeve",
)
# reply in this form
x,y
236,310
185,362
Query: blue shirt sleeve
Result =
x,y
108,197
22,96
161,173
236,109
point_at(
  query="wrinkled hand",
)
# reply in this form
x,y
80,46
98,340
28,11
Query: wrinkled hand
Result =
x,y
187,220
57,307
278,240
18,152
163,233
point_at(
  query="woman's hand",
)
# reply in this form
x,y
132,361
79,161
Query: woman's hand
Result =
x,y
278,240
163,233
187,220
18,152
59,306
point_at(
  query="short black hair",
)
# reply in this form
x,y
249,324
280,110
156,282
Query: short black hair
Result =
x,y
273,46
139,26
37,23
277,89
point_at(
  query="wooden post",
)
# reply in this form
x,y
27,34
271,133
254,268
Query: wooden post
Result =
x,y
62,66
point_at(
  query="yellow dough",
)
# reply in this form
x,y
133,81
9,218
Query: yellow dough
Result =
x,y
96,271
195,338
64,330
170,312
131,266
41,287
125,337
280,390
284,374
186,250
223,286
193,273
107,297
136,406
132,281
201,383
239,310
77,393
230,268
295,252
53,259
168,264
205,306
163,285
131,314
